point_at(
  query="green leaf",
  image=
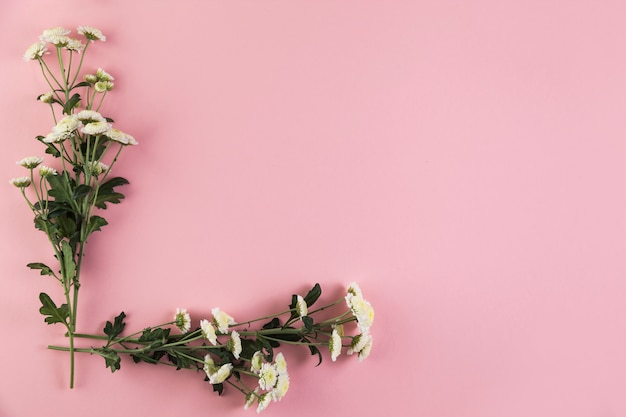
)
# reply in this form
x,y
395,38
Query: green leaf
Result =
x,y
157,337
43,268
308,322
61,189
50,148
111,358
219,388
81,84
107,193
51,312
71,103
313,295
114,329
81,191
95,224
314,351
273,324
68,260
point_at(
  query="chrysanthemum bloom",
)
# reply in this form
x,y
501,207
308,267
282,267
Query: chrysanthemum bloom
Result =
x,y
208,331
46,98
102,75
362,310
334,345
359,343
35,51
251,398
221,320
102,86
282,386
45,171
88,116
221,374
121,137
264,402
234,344
182,320
20,182
209,365
339,328
301,307
354,289
30,162
280,363
256,361
54,35
96,128
365,352
73,45
267,376
68,124
91,78
96,168
56,137
91,33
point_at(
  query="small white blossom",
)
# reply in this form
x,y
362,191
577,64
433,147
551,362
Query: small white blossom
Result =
x,y
301,307
102,75
208,331
73,45
256,362
91,78
267,376
96,168
334,345
209,366
363,311
281,364
221,320
46,98
234,344
264,402
182,320
102,86
251,398
221,374
96,128
91,33
56,137
35,51
20,182
362,345
45,171
55,36
88,116
282,386
121,137
68,124
30,162
354,289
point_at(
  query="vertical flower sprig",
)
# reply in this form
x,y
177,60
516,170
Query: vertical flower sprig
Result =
x,y
235,354
64,199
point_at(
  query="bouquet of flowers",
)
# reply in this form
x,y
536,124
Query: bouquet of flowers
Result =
x,y
67,198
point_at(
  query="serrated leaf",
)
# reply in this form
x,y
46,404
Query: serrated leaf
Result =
x,y
219,388
95,224
116,328
51,312
71,103
81,191
68,260
111,358
43,268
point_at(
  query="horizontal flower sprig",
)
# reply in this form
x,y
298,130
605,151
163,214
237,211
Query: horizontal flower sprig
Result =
x,y
238,354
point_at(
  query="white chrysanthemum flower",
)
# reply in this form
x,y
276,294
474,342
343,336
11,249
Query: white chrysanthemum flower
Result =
x,y
221,374
54,35
45,171
334,345
209,366
256,361
264,402
96,128
20,182
282,386
91,78
301,307
221,320
91,33
363,311
121,137
68,124
182,320
367,348
102,86
339,328
46,98
88,116
73,45
30,162
251,398
358,343
281,364
234,344
96,168
56,137
102,75
35,51
208,331
267,376
354,289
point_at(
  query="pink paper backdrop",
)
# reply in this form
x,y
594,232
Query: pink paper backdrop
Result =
x,y
462,160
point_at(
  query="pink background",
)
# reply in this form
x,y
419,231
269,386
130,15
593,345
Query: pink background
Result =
x,y
462,160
